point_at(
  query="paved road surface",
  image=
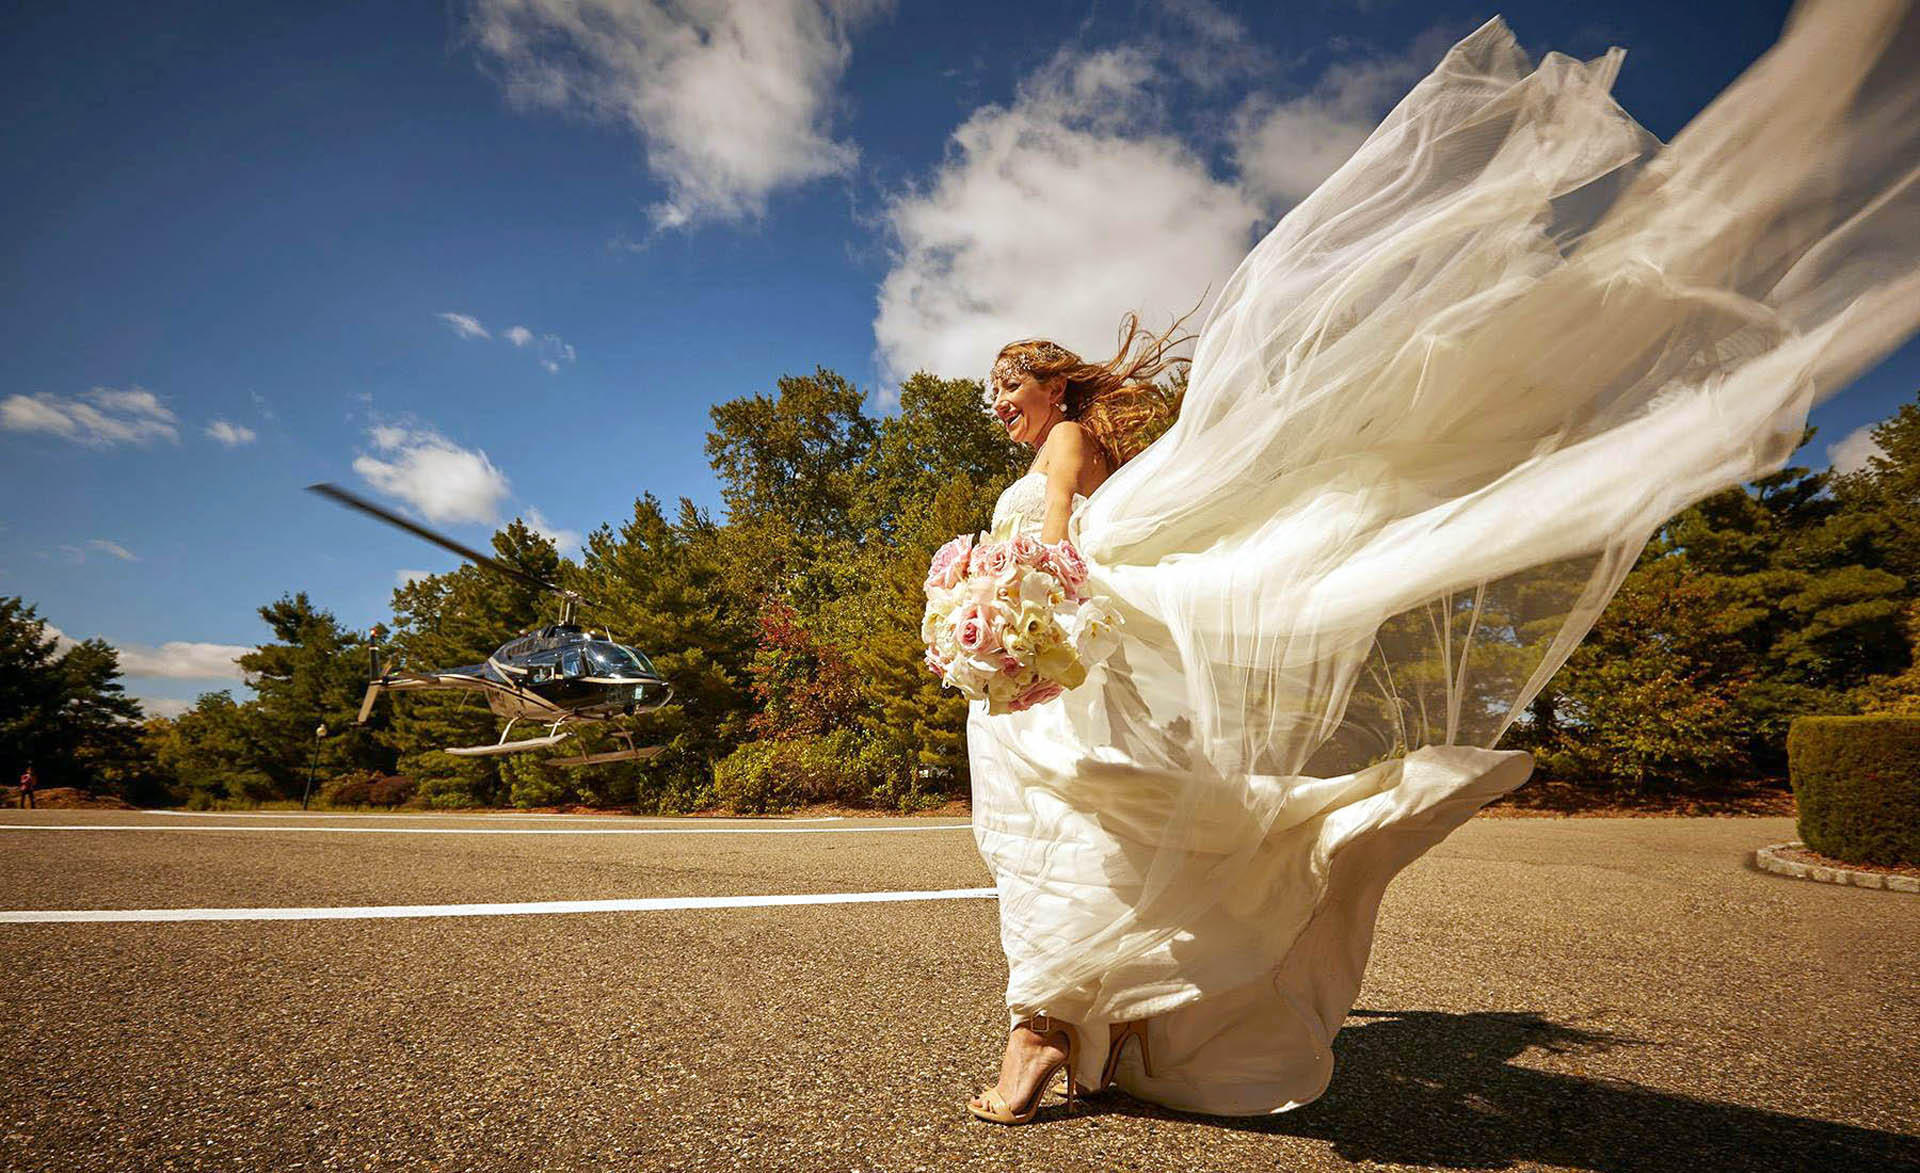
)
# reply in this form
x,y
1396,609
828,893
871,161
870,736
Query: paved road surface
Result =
x,y
1584,994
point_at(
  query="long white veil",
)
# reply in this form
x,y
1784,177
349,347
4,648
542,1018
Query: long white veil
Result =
x,y
1432,420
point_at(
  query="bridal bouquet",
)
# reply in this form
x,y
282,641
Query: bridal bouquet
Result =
x,y
1008,619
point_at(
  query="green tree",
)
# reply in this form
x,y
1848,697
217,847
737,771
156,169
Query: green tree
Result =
x,y
1652,695
1790,599
670,588
311,674
1887,488
935,471
216,751
63,711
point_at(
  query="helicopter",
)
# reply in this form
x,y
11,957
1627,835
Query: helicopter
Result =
x,y
560,675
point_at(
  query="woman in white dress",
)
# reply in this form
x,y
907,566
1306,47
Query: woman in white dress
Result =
x,y
1431,421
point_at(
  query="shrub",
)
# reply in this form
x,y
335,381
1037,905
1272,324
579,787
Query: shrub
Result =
x,y
1857,781
779,774
391,790
348,789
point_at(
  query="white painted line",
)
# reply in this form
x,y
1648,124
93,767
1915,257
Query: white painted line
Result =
x,y
270,830
547,816
531,908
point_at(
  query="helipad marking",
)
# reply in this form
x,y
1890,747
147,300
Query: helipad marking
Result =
x,y
273,830
471,815
529,908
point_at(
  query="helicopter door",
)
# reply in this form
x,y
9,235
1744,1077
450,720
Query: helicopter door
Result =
x,y
570,663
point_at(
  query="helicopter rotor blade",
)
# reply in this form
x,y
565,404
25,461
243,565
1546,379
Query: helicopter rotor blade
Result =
x,y
354,501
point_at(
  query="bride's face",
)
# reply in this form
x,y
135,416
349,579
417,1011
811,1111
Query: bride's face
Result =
x,y
1024,407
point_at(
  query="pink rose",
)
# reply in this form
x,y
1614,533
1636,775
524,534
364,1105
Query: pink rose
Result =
x,y
1040,693
1026,550
1068,564
993,559
949,563
935,664
973,630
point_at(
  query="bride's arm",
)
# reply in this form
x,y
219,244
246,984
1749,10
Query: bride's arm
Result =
x,y
1074,465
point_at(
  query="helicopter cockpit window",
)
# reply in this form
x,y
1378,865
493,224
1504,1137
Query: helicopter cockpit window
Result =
x,y
610,659
570,662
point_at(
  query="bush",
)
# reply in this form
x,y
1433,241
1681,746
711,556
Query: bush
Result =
x,y
391,790
1857,781
779,774
348,789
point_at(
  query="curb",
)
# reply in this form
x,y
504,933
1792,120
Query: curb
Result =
x,y
1767,859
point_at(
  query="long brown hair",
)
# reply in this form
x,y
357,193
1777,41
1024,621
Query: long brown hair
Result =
x,y
1117,401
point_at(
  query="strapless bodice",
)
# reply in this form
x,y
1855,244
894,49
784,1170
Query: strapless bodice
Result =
x,y
1027,497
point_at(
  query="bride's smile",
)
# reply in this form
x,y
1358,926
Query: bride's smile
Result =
x,y
1022,405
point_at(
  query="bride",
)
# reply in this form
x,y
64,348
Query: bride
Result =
x,y
1430,423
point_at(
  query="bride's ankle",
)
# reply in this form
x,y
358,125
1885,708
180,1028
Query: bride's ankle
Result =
x,y
1040,1031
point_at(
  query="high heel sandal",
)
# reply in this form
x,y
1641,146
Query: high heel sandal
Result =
x,y
1117,1037
994,1108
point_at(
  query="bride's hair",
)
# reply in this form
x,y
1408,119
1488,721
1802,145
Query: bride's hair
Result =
x,y
1117,400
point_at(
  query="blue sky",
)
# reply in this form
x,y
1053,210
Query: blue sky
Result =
x,y
497,259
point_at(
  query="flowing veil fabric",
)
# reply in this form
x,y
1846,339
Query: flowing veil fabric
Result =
x,y
1432,419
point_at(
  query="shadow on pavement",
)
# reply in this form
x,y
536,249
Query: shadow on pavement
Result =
x,y
1431,1088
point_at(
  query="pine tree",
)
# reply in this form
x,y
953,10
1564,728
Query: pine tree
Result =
x,y
63,712
668,589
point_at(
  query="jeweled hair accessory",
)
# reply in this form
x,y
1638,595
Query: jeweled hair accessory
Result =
x,y
1022,357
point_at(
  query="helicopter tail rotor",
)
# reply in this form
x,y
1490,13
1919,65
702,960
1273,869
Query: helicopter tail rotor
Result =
x,y
374,689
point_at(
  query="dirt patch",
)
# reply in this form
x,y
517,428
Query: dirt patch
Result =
x,y
65,798
1555,798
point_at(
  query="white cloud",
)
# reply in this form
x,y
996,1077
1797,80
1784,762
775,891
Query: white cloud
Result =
x,y
731,99
403,578
554,353
464,325
114,548
173,660
182,660
61,640
99,418
444,481
1052,217
231,434
1852,452
567,541
1285,148
171,708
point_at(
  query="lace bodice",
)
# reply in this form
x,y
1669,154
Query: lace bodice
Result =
x,y
1027,497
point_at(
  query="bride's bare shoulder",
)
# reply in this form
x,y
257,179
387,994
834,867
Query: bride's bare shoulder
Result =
x,y
1071,449
1068,436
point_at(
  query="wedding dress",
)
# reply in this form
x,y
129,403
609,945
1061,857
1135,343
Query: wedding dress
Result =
x,y
1431,421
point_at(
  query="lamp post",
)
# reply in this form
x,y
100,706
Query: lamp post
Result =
x,y
313,760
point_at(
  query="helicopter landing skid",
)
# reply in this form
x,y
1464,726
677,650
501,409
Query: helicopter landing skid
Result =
x,y
643,754
487,751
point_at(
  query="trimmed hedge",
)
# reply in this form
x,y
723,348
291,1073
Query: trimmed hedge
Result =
x,y
1857,781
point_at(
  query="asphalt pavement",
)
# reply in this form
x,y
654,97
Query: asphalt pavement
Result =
x,y
1593,994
